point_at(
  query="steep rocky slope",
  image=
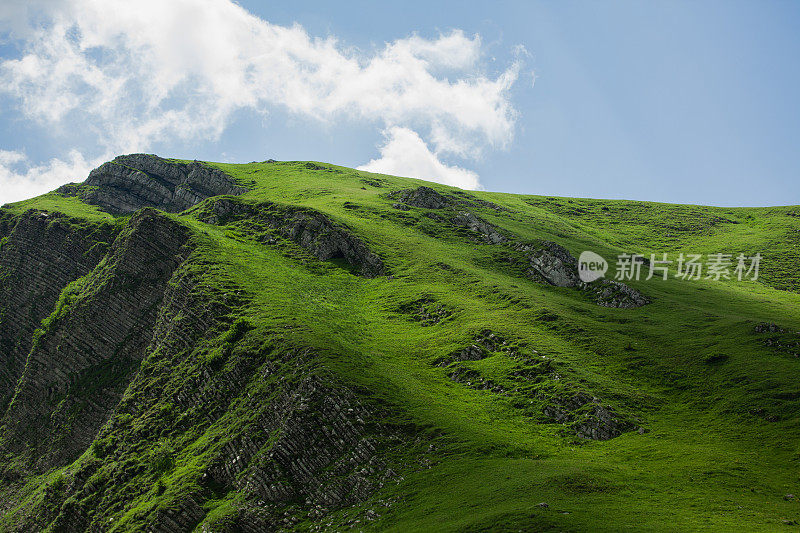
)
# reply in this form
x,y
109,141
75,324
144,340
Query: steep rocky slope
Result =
x,y
131,182
97,332
298,346
40,255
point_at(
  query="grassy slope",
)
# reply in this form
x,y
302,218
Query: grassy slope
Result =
x,y
706,462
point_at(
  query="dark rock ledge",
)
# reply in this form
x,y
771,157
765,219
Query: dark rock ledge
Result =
x,y
97,337
41,254
553,264
131,182
306,227
549,263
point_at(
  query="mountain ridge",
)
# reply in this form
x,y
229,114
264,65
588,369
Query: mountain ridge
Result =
x,y
401,331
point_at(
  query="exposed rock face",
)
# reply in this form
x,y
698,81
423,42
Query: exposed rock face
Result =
x,y
424,197
99,333
553,264
131,182
310,449
128,338
312,445
308,228
324,456
488,232
612,293
587,416
40,256
549,262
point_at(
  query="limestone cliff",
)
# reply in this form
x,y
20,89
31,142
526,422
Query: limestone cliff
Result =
x,y
97,333
131,182
40,254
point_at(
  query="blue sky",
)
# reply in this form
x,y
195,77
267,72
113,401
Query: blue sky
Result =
x,y
690,102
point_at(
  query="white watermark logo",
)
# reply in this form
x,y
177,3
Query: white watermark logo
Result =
x,y
591,266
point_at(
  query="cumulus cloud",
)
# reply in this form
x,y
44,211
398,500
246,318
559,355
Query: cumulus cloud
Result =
x,y
131,74
406,154
20,178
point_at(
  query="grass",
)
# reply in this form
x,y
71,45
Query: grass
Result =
x,y
719,407
54,202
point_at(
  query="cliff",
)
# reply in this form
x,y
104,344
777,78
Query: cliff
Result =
x,y
131,182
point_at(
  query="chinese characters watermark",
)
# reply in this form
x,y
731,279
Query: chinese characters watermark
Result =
x,y
719,266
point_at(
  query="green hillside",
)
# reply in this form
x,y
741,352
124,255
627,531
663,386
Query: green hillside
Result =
x,y
465,389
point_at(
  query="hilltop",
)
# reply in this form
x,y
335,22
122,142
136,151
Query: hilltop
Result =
x,y
189,345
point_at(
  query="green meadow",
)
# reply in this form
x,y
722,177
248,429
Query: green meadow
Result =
x,y
717,439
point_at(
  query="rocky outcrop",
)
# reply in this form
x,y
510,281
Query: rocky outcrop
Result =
x,y
324,457
294,438
193,308
40,255
422,196
548,262
131,182
553,264
489,233
426,311
534,383
98,333
612,293
269,427
587,416
309,229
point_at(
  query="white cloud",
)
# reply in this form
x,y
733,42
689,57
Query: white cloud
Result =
x,y
9,157
406,154
131,74
21,179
